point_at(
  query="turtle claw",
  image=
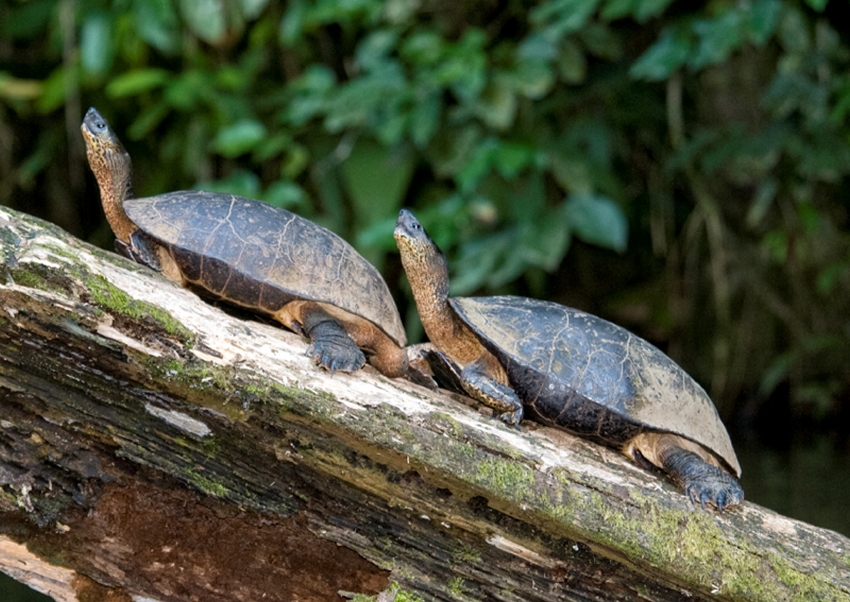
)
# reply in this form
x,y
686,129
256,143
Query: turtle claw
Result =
x,y
717,489
512,418
332,358
703,483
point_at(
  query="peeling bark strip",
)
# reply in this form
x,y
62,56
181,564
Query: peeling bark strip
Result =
x,y
152,446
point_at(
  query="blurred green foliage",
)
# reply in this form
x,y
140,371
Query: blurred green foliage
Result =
x,y
692,156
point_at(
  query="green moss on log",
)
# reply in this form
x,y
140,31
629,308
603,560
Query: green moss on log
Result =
x,y
111,298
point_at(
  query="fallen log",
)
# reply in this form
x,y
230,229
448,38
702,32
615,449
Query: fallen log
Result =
x,y
154,446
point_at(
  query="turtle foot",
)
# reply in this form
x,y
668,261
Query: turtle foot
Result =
x,y
720,490
330,346
703,483
332,357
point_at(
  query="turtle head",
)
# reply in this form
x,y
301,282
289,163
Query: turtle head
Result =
x,y
413,241
425,265
113,169
103,147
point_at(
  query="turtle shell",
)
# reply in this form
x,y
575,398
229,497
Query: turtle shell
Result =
x,y
252,254
592,377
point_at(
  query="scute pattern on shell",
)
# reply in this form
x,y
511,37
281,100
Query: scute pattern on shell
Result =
x,y
578,371
259,256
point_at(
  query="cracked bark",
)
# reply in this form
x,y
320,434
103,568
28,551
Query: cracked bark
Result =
x,y
152,445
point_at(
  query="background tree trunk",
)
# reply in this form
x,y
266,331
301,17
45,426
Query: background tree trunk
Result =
x,y
153,445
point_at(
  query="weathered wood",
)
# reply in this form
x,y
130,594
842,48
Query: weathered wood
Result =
x,y
153,445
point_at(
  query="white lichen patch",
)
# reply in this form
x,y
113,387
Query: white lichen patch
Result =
x,y
179,420
520,551
106,330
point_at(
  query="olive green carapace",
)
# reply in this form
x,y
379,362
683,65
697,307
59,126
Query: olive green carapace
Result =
x,y
525,357
259,257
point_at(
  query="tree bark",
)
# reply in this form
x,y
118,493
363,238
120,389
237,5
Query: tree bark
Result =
x,y
154,446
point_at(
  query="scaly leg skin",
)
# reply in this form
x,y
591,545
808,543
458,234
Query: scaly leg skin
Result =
x,y
123,249
330,346
701,481
482,387
140,250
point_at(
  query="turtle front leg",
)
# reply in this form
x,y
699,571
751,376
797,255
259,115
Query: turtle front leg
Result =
x,y
477,381
330,346
140,249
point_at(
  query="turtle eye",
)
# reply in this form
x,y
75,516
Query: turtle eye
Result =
x,y
99,125
417,226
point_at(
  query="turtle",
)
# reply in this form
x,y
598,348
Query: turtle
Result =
x,y
570,369
250,254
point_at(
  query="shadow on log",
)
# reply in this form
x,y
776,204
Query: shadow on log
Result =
x,y
154,447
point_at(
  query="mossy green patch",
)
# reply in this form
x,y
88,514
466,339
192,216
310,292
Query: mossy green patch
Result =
x,y
206,485
506,477
109,297
445,419
40,277
466,554
402,595
457,587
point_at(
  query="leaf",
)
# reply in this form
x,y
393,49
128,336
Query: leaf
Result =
x,y
478,260
598,220
239,138
292,23
147,120
572,64
571,173
251,9
240,182
53,89
285,195
510,158
12,88
187,89
376,179
543,244
762,200
424,47
97,47
539,46
763,18
533,79
817,5
646,9
205,18
478,165
26,19
497,105
600,40
156,23
135,82
617,9
373,51
425,119
665,56
718,37
565,16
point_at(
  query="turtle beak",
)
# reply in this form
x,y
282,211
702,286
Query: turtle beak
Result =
x,y
407,226
93,123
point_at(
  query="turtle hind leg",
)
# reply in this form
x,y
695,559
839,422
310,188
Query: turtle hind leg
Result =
x,y
479,384
330,346
701,481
